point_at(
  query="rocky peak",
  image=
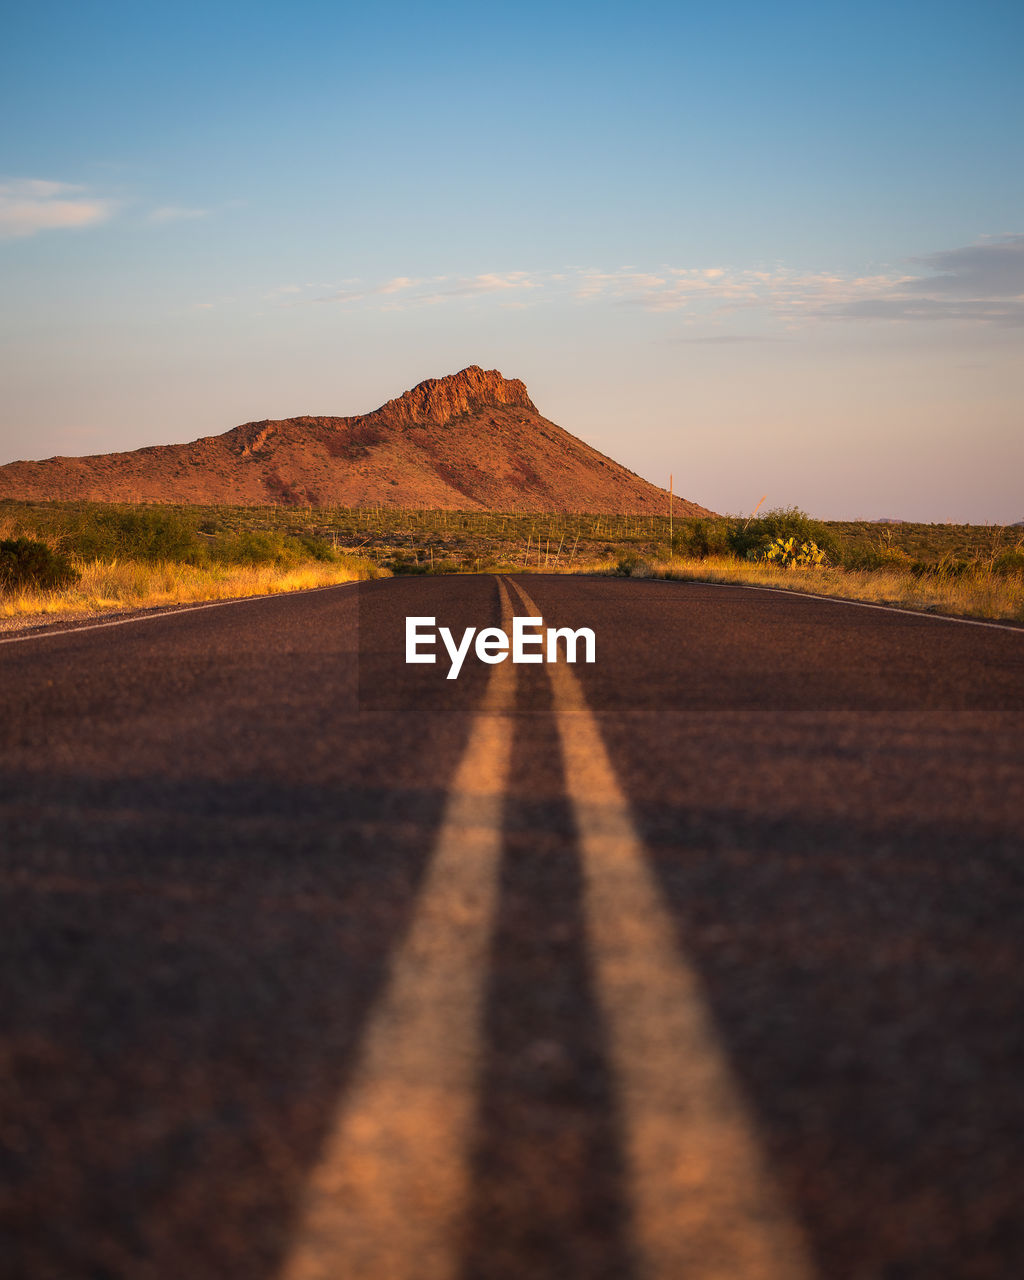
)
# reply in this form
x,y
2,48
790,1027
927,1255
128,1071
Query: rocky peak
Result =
x,y
439,400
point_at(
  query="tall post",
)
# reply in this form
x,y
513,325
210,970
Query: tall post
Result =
x,y
671,542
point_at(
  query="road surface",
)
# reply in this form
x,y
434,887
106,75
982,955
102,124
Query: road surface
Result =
x,y
706,960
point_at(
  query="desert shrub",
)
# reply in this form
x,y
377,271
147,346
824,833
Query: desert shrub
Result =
x,y
1009,562
749,539
117,533
882,556
947,566
314,548
702,538
495,564
632,565
443,566
407,562
26,563
252,546
865,558
952,567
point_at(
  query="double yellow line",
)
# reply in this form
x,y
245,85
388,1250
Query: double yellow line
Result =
x,y
389,1197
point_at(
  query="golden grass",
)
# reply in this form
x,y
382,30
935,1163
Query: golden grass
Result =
x,y
131,584
978,593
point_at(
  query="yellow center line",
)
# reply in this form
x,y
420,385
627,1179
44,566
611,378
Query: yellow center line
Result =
x,y
388,1197
702,1202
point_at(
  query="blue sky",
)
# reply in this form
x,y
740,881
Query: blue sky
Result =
x,y
765,247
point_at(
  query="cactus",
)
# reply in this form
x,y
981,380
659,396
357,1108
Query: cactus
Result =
x,y
785,553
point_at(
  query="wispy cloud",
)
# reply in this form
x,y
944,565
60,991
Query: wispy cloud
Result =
x,y
30,205
451,288
400,284
1006,313
292,294
625,282
490,282
994,268
402,292
982,283
718,290
978,283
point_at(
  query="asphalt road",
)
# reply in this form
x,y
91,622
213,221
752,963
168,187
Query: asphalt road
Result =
x,y
706,960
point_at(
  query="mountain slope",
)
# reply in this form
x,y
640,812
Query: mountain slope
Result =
x,y
471,441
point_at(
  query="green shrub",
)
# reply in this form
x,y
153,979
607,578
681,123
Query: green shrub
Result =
x,y
632,565
26,563
251,546
315,548
866,558
442,566
125,534
882,556
1009,562
952,567
757,535
254,546
702,538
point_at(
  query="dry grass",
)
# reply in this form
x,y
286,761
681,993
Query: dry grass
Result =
x,y
107,587
452,542
979,593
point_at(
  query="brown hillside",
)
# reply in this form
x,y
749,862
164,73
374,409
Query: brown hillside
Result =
x,y
472,441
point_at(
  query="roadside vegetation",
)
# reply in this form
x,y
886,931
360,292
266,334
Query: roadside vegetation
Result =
x,y
965,571
978,593
137,556
81,559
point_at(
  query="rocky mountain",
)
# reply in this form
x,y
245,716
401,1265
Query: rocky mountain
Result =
x,y
471,441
